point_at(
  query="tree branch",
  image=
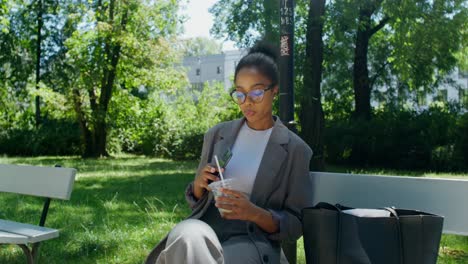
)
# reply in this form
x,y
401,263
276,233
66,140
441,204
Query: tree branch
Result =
x,y
379,26
376,75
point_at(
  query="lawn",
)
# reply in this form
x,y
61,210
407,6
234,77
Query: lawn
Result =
x,y
121,207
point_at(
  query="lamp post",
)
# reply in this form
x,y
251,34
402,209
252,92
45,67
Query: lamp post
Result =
x,y
286,96
286,64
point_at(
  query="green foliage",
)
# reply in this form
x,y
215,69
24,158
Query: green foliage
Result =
x,y
461,141
199,46
244,22
52,137
167,124
178,133
402,139
419,46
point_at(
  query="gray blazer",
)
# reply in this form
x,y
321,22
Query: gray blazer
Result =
x,y
282,185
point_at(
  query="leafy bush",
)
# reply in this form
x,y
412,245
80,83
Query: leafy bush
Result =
x,y
52,137
406,139
169,125
178,133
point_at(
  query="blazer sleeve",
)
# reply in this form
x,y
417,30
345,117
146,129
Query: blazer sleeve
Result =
x,y
206,150
299,195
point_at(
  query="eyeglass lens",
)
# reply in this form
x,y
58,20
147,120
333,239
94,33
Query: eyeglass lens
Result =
x,y
255,95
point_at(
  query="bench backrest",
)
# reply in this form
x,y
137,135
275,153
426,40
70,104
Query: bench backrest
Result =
x,y
37,181
446,197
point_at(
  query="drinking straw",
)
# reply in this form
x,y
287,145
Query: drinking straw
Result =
x,y
219,169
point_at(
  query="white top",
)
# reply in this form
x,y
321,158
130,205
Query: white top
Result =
x,y
247,153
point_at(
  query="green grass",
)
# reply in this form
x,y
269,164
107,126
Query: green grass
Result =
x,y
121,207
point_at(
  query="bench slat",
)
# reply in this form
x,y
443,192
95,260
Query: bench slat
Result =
x,y
31,232
37,181
446,197
9,238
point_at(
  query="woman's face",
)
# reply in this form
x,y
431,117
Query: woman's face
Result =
x,y
258,115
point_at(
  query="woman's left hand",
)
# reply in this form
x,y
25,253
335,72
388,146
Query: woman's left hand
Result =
x,y
239,204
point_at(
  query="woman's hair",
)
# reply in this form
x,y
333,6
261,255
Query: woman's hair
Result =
x,y
264,57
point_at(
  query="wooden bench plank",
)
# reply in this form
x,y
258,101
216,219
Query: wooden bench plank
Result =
x,y
446,197
9,238
37,181
32,232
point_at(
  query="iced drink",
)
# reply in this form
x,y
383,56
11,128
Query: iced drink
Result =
x,y
215,188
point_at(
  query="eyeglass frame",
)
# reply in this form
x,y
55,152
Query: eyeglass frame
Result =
x,y
267,88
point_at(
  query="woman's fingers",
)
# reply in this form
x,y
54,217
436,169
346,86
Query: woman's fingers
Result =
x,y
225,206
210,169
210,177
233,193
226,200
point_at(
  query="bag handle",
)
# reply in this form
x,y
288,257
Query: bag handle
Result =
x,y
338,208
393,212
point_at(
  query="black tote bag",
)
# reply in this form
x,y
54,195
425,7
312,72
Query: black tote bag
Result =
x,y
405,237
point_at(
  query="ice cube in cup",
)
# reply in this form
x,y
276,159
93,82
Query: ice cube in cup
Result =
x,y
215,188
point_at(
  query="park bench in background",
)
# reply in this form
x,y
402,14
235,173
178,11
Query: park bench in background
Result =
x,y
446,197
45,182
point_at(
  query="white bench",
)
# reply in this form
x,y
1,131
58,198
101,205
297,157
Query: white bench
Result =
x,y
45,182
446,197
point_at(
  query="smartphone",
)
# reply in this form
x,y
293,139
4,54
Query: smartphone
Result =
x,y
223,162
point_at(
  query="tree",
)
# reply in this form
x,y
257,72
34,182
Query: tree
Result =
x,y
311,111
124,45
421,51
365,30
244,22
200,46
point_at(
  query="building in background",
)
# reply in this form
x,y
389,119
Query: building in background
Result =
x,y
212,68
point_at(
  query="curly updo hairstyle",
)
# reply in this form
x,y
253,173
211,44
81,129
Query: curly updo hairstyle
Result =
x,y
263,57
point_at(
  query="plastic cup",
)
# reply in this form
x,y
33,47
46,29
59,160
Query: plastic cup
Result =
x,y
215,188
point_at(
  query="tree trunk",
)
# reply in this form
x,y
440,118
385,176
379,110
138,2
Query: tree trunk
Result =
x,y
311,115
360,71
87,137
361,80
38,59
112,52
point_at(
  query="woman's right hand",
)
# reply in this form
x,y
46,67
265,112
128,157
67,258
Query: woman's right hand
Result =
x,y
206,176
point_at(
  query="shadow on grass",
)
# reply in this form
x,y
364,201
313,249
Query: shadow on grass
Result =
x,y
108,219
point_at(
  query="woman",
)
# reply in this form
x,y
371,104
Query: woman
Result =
x,y
270,162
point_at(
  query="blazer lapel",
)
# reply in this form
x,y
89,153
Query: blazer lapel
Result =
x,y
275,154
226,138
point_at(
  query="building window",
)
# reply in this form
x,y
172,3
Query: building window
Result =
x,y
198,71
218,69
197,86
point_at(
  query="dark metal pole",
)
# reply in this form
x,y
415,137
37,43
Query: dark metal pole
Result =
x,y
286,96
286,64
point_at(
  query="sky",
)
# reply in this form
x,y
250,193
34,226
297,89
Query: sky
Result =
x,y
199,21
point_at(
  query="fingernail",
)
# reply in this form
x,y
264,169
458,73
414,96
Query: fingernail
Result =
x,y
212,170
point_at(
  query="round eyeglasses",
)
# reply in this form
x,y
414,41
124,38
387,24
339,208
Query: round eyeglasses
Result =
x,y
255,95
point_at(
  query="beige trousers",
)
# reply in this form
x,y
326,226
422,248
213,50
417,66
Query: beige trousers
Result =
x,y
194,242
